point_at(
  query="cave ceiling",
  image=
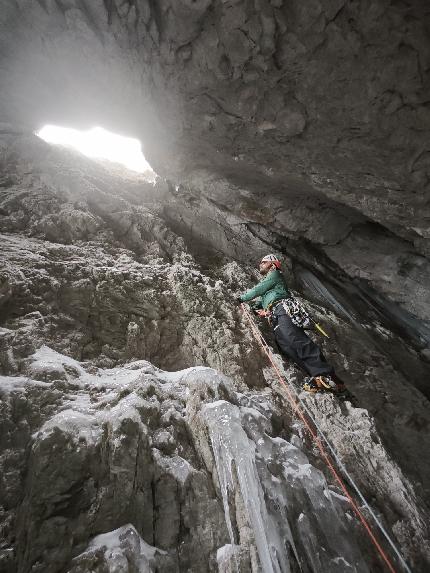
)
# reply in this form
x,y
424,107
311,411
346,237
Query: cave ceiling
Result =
x,y
332,93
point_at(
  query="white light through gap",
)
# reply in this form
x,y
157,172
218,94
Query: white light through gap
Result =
x,y
100,143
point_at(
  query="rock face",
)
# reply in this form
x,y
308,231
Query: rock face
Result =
x,y
309,121
110,462
119,284
104,449
140,427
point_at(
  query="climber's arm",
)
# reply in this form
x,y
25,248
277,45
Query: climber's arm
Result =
x,y
262,287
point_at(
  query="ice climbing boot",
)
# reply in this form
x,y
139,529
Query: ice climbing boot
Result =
x,y
320,384
325,383
310,386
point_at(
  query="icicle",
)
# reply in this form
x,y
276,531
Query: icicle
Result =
x,y
233,449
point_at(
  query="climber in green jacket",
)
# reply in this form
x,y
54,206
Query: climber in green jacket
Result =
x,y
275,300
271,288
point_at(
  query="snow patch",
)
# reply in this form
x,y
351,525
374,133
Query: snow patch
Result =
x,y
10,384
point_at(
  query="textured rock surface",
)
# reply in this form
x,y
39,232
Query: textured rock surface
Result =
x,y
104,448
312,120
115,464
124,288
330,95
287,126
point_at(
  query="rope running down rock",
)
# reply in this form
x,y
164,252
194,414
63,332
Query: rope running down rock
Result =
x,y
296,402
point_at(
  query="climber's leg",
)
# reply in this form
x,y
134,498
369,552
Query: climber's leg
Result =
x,y
295,344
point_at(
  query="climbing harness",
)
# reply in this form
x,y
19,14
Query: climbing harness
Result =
x,y
298,313
295,310
299,407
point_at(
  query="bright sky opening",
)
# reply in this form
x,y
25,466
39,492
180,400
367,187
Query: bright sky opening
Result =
x,y
99,143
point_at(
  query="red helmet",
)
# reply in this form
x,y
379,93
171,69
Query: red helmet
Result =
x,y
272,259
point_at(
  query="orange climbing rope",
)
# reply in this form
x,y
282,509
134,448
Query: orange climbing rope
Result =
x,y
314,434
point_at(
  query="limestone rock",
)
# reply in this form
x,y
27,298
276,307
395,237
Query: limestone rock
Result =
x,y
140,428
190,469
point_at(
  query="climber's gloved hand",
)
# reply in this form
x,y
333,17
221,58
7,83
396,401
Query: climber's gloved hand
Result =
x,y
238,300
261,312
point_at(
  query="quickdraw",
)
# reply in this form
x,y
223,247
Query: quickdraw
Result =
x,y
297,312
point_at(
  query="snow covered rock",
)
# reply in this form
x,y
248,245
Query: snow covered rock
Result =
x,y
138,469
119,551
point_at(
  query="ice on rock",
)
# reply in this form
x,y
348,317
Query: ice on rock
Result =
x,y
175,466
279,512
234,456
319,537
47,362
123,550
227,558
12,384
75,424
324,536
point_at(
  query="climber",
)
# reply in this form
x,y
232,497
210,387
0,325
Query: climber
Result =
x,y
275,301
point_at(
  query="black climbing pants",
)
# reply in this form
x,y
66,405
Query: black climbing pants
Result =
x,y
295,344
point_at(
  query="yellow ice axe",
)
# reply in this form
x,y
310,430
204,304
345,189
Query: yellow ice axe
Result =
x,y
321,330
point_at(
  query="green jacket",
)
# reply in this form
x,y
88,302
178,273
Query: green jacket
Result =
x,y
270,289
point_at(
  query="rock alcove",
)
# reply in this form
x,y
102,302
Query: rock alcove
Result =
x,y
141,428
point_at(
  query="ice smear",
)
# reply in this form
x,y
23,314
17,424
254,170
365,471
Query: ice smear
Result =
x,y
233,451
226,555
46,359
78,425
320,290
12,383
176,466
342,561
124,544
181,375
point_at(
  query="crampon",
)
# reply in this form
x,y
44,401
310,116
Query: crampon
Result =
x,y
323,384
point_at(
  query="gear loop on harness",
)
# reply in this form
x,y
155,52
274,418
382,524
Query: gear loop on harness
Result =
x,y
295,310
